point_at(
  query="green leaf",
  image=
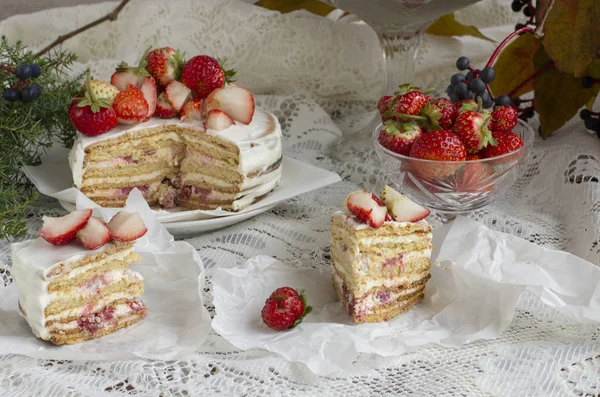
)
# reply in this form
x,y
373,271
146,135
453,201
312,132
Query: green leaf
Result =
x,y
515,65
447,25
285,6
558,96
594,71
571,33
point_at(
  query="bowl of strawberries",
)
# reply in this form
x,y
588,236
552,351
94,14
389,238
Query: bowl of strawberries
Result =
x,y
450,157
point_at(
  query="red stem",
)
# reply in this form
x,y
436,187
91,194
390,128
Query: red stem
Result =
x,y
541,70
7,68
504,42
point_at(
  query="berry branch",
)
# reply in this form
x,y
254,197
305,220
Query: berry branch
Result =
x,y
108,17
504,42
539,30
8,68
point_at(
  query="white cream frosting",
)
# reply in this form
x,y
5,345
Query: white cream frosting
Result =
x,y
32,261
258,148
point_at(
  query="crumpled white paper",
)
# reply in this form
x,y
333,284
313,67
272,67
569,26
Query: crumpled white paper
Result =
x,y
177,322
472,295
53,178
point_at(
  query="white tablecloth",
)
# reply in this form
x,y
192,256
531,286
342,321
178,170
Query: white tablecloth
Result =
x,y
319,77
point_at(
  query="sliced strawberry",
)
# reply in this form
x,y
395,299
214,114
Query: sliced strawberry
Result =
x,y
191,110
401,207
177,94
127,226
94,234
122,79
164,110
148,88
217,120
365,208
60,231
234,100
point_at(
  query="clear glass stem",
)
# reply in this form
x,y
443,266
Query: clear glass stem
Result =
x,y
399,55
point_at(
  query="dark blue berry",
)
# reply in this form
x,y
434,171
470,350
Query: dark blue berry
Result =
x,y
528,11
519,26
462,63
592,123
450,90
585,114
35,70
470,95
487,75
457,78
30,93
23,71
587,82
486,100
10,94
461,90
477,86
503,100
469,76
453,98
516,6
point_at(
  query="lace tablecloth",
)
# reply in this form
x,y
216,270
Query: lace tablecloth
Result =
x,y
318,78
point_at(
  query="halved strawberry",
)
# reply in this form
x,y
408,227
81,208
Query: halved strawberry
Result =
x,y
130,75
217,120
127,226
191,110
234,100
401,207
94,234
148,88
365,208
164,110
60,231
177,94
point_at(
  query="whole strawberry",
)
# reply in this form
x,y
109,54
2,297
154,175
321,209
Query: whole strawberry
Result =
x,y
472,129
440,112
474,156
465,105
203,74
164,64
130,106
440,145
504,118
407,101
399,137
91,115
507,142
384,104
285,309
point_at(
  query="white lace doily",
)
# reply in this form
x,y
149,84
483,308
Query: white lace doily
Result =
x,y
318,78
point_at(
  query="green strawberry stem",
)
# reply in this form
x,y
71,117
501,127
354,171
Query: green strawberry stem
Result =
x,y
88,79
307,310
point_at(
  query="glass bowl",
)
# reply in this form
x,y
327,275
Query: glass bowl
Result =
x,y
455,187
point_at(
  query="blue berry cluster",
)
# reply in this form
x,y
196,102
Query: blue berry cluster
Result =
x,y
527,8
472,85
591,120
28,92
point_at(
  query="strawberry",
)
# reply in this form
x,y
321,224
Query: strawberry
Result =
x,y
407,101
102,89
177,94
164,110
94,234
191,110
60,231
164,64
440,145
366,207
126,226
234,100
383,105
90,114
466,104
129,75
285,309
475,178
504,118
203,74
474,156
130,106
217,120
401,207
148,89
472,128
398,137
440,112
507,142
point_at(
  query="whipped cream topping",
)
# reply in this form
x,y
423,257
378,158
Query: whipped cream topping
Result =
x,y
259,147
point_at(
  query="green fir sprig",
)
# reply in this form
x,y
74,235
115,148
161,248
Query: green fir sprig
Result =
x,y
28,130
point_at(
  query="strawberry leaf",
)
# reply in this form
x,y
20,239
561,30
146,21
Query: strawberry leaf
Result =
x,y
558,96
571,33
447,25
307,310
515,65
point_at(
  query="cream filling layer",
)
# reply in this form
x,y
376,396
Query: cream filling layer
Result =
x,y
121,310
384,239
101,304
97,284
119,256
191,178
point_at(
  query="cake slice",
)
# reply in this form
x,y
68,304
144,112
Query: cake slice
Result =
x,y
380,265
69,293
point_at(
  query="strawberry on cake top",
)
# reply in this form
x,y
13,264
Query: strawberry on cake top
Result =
x,y
181,132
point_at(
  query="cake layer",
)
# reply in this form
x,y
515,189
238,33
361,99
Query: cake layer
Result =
x,y
95,325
